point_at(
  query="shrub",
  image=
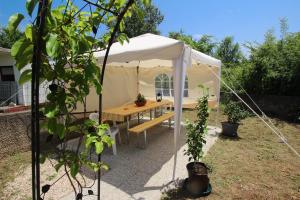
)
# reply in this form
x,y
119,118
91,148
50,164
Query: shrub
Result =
x,y
197,130
235,113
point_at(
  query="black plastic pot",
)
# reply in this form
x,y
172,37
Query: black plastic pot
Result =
x,y
198,180
230,129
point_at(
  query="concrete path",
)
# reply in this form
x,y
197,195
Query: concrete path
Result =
x,y
142,173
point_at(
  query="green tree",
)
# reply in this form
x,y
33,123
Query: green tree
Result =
x,y
275,64
229,52
7,39
145,19
205,44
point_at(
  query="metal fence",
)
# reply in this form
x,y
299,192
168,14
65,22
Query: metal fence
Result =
x,y
7,90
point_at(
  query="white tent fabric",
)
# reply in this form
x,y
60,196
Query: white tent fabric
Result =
x,y
148,51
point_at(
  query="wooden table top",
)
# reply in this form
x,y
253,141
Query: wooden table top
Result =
x,y
119,113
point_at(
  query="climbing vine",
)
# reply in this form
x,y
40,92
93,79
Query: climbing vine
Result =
x,y
70,36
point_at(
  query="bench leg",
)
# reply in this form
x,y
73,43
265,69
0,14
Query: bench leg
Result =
x,y
145,139
119,134
114,147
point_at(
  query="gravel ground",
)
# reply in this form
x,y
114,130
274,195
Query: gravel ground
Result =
x,y
134,173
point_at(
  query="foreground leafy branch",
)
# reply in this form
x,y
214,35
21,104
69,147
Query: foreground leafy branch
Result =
x,y
70,37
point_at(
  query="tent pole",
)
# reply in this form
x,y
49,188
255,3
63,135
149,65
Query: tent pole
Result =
x,y
138,77
219,97
179,71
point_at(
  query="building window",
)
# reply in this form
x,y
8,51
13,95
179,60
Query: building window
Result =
x,y
7,73
164,85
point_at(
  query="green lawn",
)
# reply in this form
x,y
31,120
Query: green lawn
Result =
x,y
255,166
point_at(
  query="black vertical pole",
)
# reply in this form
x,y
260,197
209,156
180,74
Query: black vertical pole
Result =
x,y
35,115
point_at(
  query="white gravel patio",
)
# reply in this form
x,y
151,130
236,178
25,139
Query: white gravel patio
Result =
x,y
142,173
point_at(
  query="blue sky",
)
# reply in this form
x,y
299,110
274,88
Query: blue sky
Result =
x,y
246,20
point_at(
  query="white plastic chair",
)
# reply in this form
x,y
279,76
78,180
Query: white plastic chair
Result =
x,y
112,131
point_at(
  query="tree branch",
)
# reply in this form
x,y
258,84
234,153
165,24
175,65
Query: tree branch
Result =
x,y
101,7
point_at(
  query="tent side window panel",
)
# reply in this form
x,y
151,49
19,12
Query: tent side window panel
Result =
x,y
162,85
186,87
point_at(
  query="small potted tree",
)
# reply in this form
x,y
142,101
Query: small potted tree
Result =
x,y
235,113
140,100
198,182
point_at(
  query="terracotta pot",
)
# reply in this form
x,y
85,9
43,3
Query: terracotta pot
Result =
x,y
230,129
140,103
198,180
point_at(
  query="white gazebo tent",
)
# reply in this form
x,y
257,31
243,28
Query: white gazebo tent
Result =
x,y
149,52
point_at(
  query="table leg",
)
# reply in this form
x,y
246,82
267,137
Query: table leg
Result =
x,y
145,139
128,126
138,118
150,114
161,110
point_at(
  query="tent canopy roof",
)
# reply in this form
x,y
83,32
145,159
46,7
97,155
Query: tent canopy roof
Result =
x,y
150,50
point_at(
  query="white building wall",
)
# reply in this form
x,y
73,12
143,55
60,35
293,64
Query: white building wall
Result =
x,y
24,91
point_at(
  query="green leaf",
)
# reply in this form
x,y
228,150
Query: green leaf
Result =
x,y
52,125
74,169
99,147
52,45
22,51
108,140
25,57
18,46
60,131
30,4
90,140
123,37
58,165
122,25
14,22
97,86
51,113
146,2
29,33
25,76
42,158
105,167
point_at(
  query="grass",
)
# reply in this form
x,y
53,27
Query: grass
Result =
x,y
254,166
11,166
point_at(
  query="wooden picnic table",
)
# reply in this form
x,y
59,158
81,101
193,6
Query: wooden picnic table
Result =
x,y
120,113
124,112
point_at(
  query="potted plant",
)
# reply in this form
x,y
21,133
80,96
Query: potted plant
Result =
x,y
140,100
198,181
234,114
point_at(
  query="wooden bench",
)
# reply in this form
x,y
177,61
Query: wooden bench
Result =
x,y
149,124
